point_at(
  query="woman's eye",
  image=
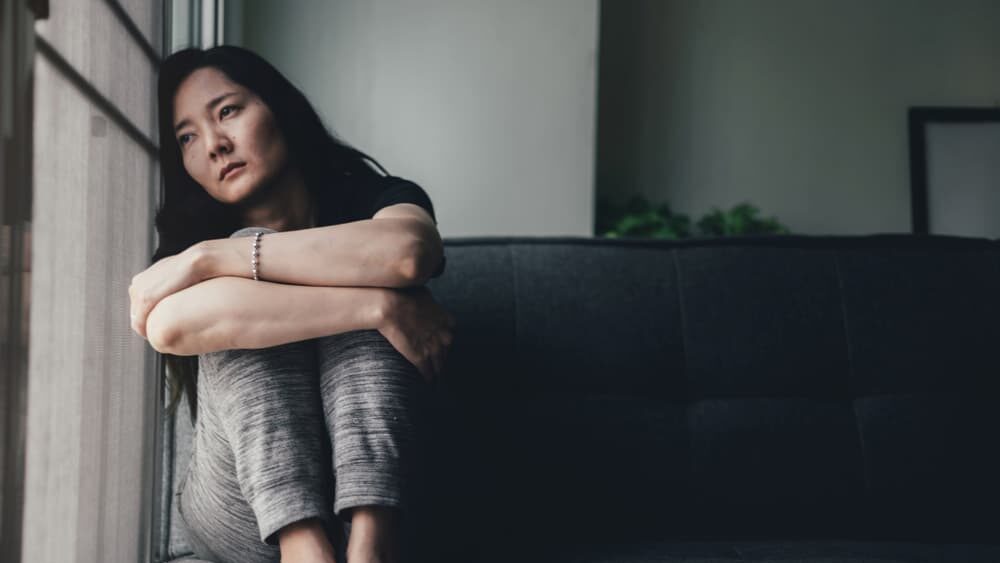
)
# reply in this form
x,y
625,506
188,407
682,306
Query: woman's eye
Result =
x,y
183,139
221,112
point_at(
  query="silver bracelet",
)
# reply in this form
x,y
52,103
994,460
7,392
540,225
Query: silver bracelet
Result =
x,y
256,253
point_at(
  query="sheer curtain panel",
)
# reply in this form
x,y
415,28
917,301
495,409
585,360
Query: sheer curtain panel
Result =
x,y
93,384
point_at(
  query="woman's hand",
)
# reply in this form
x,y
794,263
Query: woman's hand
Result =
x,y
418,327
167,276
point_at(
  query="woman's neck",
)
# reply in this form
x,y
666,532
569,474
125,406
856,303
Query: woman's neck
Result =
x,y
286,206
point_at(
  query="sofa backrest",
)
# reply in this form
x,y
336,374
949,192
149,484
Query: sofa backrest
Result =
x,y
788,386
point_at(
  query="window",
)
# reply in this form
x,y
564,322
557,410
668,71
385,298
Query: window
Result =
x,y
93,384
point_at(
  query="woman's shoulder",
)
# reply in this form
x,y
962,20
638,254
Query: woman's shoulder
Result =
x,y
363,194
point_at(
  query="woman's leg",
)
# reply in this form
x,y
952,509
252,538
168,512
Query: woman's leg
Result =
x,y
261,458
373,400
261,417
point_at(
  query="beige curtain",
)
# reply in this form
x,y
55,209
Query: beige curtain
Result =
x,y
16,36
93,384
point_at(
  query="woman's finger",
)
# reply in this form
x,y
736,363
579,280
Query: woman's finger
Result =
x,y
142,315
425,367
139,327
133,316
436,361
432,360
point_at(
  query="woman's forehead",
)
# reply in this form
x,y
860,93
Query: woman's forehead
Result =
x,y
200,87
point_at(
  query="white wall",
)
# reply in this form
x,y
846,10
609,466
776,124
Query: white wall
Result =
x,y
798,106
489,105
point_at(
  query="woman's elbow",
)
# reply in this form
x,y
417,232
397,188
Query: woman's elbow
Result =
x,y
160,331
165,331
422,259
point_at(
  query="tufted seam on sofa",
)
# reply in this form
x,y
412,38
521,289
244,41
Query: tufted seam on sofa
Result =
x,y
684,362
850,368
683,322
514,296
738,553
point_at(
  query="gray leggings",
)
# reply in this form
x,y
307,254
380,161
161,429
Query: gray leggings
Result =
x,y
304,429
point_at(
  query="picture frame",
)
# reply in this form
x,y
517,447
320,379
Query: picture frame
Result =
x,y
955,171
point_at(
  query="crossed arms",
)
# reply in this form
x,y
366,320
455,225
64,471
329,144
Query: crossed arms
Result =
x,y
314,282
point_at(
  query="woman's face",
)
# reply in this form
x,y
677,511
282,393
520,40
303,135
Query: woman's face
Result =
x,y
218,122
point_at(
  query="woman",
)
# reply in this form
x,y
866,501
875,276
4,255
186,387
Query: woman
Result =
x,y
287,296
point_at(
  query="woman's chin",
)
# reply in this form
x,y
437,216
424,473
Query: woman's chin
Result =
x,y
237,192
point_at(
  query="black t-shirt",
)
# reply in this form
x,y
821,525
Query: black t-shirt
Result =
x,y
362,195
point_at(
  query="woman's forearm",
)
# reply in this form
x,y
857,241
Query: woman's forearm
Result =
x,y
384,252
226,313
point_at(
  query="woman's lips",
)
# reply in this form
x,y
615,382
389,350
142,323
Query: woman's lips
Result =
x,y
234,170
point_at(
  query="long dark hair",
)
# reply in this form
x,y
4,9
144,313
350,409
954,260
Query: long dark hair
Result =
x,y
188,214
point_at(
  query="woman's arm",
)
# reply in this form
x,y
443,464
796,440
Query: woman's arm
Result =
x,y
226,313
398,247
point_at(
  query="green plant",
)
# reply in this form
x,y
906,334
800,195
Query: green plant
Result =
x,y
637,217
740,220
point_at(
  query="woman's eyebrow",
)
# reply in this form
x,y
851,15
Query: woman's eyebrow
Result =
x,y
209,106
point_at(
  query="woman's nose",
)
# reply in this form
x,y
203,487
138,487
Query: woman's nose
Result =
x,y
219,143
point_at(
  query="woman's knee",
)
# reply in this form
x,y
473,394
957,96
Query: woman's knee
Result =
x,y
365,351
290,366
362,375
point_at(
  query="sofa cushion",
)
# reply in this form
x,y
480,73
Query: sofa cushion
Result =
x,y
772,386
791,550
639,392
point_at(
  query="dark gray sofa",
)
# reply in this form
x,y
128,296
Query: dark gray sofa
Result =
x,y
787,398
